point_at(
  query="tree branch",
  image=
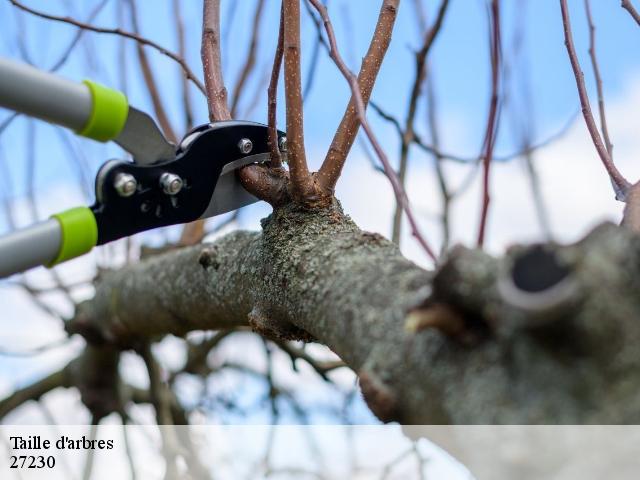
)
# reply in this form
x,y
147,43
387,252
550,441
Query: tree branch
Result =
x,y
628,6
116,31
212,62
272,94
500,364
360,106
149,80
301,182
492,119
621,184
250,60
416,91
348,129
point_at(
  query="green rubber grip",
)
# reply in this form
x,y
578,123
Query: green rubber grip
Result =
x,y
108,115
79,233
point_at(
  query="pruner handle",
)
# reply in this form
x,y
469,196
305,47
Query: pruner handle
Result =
x,y
64,236
87,108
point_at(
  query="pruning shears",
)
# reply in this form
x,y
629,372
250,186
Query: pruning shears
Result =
x,y
163,185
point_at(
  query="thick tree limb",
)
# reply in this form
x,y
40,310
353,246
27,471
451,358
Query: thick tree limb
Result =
x,y
549,334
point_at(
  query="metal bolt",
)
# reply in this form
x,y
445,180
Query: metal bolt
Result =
x,y
171,183
282,144
125,184
245,145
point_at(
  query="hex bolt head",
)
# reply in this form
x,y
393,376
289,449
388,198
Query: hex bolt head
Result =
x,y
245,145
125,184
282,144
171,183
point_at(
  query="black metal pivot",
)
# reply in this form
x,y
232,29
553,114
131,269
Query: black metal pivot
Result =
x,y
132,198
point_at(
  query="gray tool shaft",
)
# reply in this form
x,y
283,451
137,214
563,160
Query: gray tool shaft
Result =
x,y
43,95
23,249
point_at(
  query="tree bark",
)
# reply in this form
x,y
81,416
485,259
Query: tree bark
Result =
x,y
547,334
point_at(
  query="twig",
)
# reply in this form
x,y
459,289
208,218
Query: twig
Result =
x,y
628,6
598,77
432,149
492,120
149,79
432,113
272,94
360,109
116,31
348,129
182,51
250,60
620,183
409,127
212,62
34,391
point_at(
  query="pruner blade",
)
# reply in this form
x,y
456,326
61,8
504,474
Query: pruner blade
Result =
x,y
142,138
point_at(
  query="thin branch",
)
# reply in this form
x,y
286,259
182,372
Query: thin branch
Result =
x,y
301,183
445,193
116,31
628,6
432,149
348,130
272,94
33,391
250,60
598,77
212,62
182,51
416,91
360,109
492,119
149,79
621,184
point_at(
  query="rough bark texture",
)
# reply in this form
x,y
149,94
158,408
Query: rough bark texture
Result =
x,y
550,333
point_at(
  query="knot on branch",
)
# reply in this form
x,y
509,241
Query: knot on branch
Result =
x,y
270,326
208,257
380,398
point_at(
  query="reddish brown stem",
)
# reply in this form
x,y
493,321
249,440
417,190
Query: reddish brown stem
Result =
x,y
212,62
492,127
598,77
276,158
620,182
628,6
348,130
301,181
360,109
